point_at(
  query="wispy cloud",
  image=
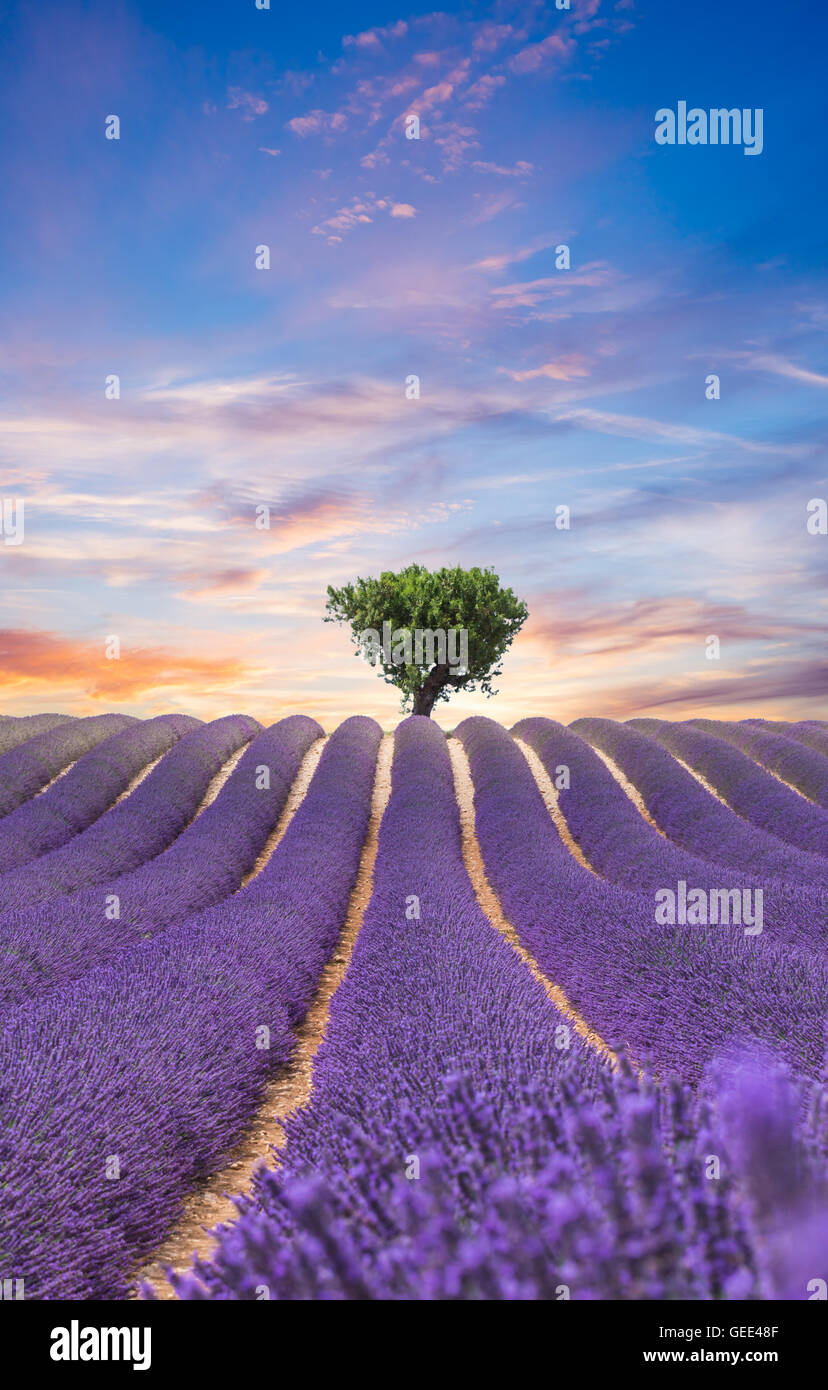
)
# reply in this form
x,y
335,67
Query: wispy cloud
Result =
x,y
778,366
373,38
251,105
318,123
638,427
564,369
535,56
521,170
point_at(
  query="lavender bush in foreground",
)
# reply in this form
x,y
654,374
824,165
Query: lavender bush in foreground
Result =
x,y
65,937
673,993
691,816
88,789
123,1088
26,769
622,846
751,791
461,1143
140,826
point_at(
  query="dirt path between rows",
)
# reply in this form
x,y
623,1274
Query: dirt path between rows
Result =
x,y
638,801
214,786
295,797
220,779
626,786
139,777
791,788
490,903
210,1205
552,804
56,778
708,786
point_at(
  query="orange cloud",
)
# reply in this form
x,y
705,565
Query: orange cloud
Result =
x,y
30,660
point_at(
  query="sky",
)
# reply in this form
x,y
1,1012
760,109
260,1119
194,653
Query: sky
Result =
x,y
391,257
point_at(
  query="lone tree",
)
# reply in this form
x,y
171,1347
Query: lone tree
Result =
x,y
430,633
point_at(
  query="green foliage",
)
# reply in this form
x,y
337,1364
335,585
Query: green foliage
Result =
x,y
447,599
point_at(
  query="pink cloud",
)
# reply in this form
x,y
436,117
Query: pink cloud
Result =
x,y
491,206
492,36
521,170
372,38
317,123
453,141
536,54
500,261
360,210
567,368
252,105
529,293
481,92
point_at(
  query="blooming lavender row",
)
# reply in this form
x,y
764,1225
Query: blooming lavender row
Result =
x,y
802,767
25,770
622,846
140,826
123,1088
16,731
56,941
691,816
812,732
88,789
748,789
462,1143
675,993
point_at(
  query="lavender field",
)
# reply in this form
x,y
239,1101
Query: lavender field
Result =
x,y
527,1014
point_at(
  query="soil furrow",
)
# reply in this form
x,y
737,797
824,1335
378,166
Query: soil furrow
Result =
x,y
490,903
139,777
56,778
550,799
210,1204
296,796
220,779
627,786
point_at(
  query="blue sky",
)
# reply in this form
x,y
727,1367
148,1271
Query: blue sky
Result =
x,y
539,386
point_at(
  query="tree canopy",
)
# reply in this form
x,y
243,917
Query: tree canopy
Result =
x,y
430,633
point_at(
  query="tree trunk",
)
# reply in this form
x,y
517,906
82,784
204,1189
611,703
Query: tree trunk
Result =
x,y
429,690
